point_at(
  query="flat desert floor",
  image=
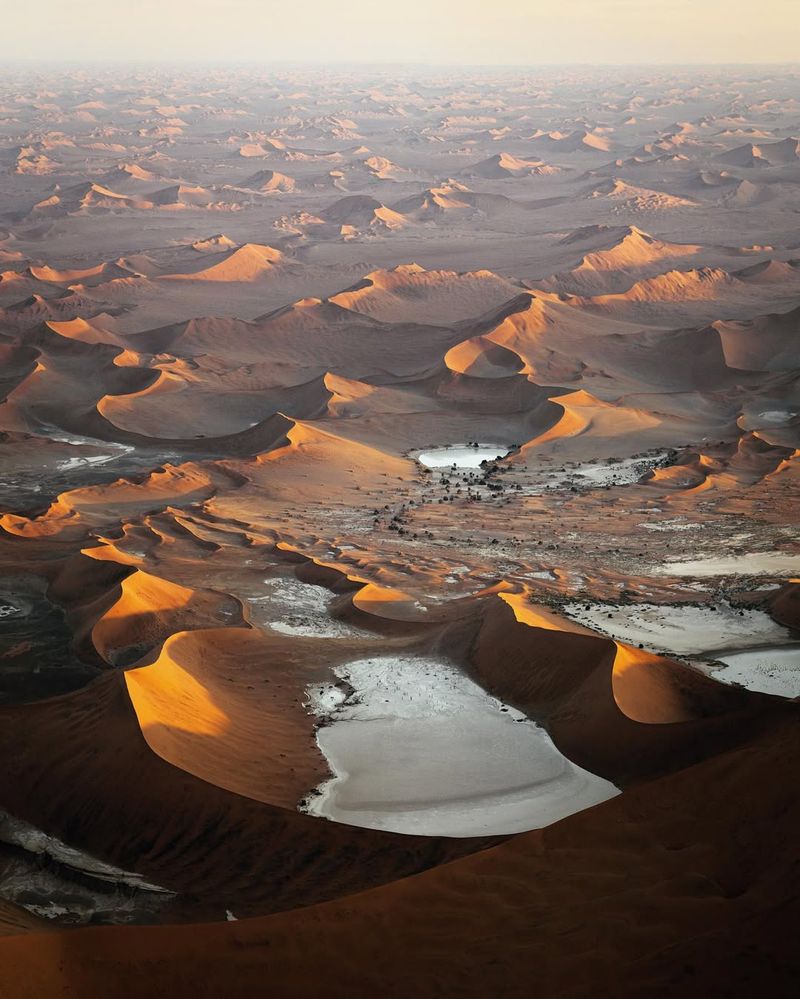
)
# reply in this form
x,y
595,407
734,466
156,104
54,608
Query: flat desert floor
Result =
x,y
399,538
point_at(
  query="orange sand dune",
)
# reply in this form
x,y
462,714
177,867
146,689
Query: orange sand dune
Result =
x,y
15,285
98,329
768,343
435,202
199,401
35,309
631,250
605,698
351,398
409,293
149,610
222,705
85,198
214,244
247,263
482,358
587,416
503,166
269,181
102,272
353,210
674,286
638,198
74,512
577,140
769,271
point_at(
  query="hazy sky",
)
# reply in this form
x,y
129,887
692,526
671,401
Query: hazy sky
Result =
x,y
527,32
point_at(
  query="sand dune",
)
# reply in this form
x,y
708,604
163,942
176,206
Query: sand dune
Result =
x,y
269,181
249,262
785,151
625,250
181,194
675,286
435,201
217,728
149,610
747,155
16,286
769,271
61,307
481,358
132,172
214,244
763,154
99,329
87,276
265,147
410,293
767,343
86,197
577,140
360,211
638,198
747,193
503,166
383,168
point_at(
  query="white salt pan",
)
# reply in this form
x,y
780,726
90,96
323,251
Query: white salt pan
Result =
x,y
425,750
680,628
295,608
751,564
772,671
461,457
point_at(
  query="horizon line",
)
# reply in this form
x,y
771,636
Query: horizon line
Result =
x,y
387,64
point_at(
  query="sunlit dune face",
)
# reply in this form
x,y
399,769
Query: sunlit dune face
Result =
x,y
142,592
167,697
644,686
381,600
644,690
535,616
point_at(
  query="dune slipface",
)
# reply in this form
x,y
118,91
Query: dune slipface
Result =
x,y
399,554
